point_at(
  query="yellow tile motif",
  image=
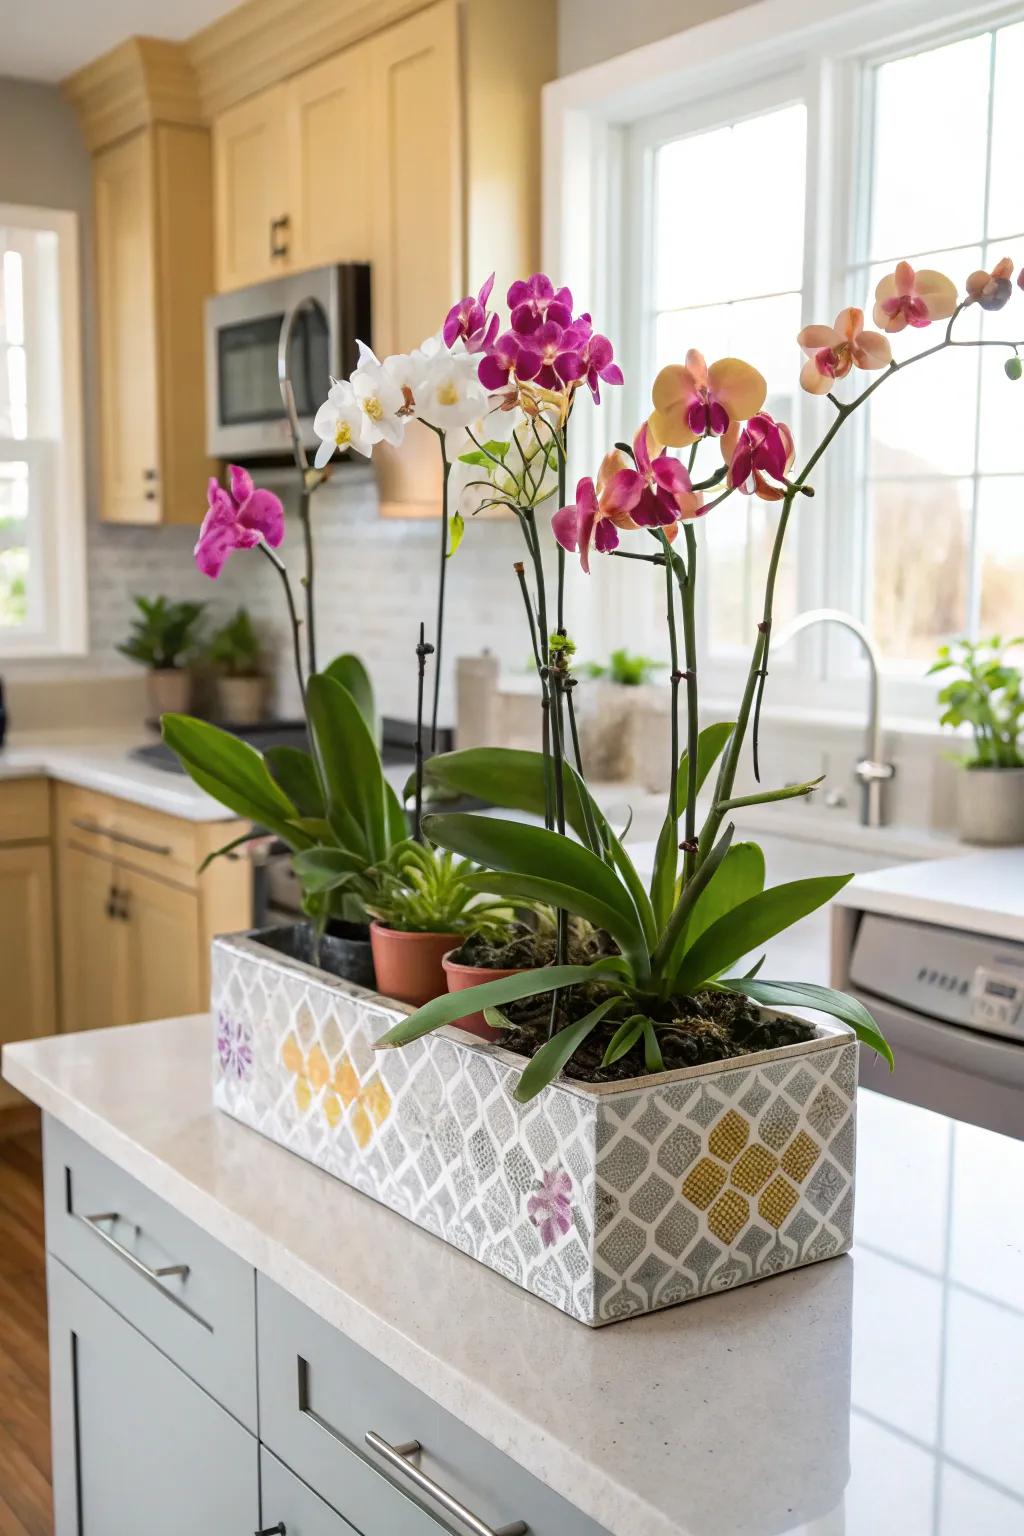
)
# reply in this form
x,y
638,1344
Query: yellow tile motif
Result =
x,y
291,1054
377,1100
800,1156
362,1126
703,1183
729,1136
318,1068
754,1169
728,1215
777,1201
332,1109
346,1082
303,1097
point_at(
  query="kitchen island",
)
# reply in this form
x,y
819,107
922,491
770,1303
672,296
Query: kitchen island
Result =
x,y
880,1392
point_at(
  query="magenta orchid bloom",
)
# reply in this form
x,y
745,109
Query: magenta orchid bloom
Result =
x,y
239,520
582,522
498,362
657,493
764,447
551,355
595,354
550,1206
469,320
536,300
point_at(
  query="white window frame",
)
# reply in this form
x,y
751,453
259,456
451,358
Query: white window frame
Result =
x,y
589,241
57,507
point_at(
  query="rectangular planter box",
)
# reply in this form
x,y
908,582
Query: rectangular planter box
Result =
x,y
606,1200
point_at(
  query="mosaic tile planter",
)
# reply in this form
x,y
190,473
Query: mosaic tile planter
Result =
x,y
607,1201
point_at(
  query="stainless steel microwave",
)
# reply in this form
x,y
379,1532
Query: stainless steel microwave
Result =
x,y
309,323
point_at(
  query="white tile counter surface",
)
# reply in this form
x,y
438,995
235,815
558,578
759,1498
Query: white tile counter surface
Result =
x,y
877,1393
103,761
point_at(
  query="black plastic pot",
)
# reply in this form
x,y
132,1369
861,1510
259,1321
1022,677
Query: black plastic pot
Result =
x,y
344,950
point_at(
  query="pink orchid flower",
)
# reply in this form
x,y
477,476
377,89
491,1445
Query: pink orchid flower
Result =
x,y
582,522
833,350
536,300
763,447
595,354
498,361
657,493
239,520
906,297
551,356
693,400
469,320
550,1206
993,289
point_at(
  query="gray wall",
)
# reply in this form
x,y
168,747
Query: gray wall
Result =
x,y
592,30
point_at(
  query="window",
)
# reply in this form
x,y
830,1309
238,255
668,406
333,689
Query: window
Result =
x,y
773,166
41,495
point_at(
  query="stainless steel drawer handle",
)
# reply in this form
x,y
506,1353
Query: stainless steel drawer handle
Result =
x,y
164,849
156,1275
397,1456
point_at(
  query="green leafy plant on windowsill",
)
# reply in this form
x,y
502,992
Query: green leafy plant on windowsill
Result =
x,y
234,650
985,695
625,668
163,635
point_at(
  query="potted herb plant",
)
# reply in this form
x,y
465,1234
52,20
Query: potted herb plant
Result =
x,y
163,640
236,657
652,1126
985,694
608,711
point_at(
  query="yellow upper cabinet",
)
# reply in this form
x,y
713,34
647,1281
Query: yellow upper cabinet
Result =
x,y
153,271
251,191
330,157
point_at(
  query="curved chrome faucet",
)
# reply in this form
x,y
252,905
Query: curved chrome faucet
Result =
x,y
871,770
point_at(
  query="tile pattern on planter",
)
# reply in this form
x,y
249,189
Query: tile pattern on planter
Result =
x,y
606,1206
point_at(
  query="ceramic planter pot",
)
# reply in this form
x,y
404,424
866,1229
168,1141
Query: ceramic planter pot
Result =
x,y
607,1201
409,965
241,700
345,951
168,691
990,805
462,976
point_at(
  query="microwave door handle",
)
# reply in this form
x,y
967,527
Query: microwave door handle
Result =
x,y
287,392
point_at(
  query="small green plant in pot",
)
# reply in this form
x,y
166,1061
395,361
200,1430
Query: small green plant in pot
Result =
x,y
983,690
610,712
235,655
163,640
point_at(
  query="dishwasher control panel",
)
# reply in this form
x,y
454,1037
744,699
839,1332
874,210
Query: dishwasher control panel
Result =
x,y
947,974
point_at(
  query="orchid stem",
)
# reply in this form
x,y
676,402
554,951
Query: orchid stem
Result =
x,y
442,573
305,518
293,615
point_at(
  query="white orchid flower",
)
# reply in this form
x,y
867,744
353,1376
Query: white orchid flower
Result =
x,y
449,395
380,398
340,423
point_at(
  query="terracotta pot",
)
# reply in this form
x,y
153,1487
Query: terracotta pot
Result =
x,y
462,976
408,965
168,691
240,700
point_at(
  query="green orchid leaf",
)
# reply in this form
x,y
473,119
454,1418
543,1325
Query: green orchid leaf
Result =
x,y
710,745
589,888
653,1059
350,672
740,876
553,1055
624,1039
231,771
296,773
324,869
806,994
453,1006
665,957
770,796
456,532
663,880
349,766
397,821
751,924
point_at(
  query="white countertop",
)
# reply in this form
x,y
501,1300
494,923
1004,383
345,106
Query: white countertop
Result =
x,y
982,893
102,761
878,1393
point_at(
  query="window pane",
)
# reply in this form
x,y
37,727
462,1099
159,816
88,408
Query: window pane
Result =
x,y
13,548
761,331
931,124
1001,555
738,539
713,259
1006,193
921,564
1001,438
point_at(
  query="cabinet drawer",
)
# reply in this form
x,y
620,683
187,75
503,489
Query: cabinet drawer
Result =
x,y
288,1503
335,1415
24,810
133,834
176,1285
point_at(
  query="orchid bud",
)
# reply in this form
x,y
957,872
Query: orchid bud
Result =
x,y
1013,368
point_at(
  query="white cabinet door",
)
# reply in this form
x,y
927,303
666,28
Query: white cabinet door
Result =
x,y
137,1447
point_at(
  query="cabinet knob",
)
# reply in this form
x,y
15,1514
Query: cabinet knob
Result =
x,y
279,247
273,1530
150,474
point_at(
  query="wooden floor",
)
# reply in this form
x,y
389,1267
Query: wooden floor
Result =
x,y
24,1388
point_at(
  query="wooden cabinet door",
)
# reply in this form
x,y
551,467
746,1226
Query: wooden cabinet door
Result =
x,y
138,1447
28,1003
250,178
129,425
162,948
416,200
92,942
330,160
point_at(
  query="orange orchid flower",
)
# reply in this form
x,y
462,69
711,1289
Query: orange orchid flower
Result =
x,y
907,297
692,400
833,350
